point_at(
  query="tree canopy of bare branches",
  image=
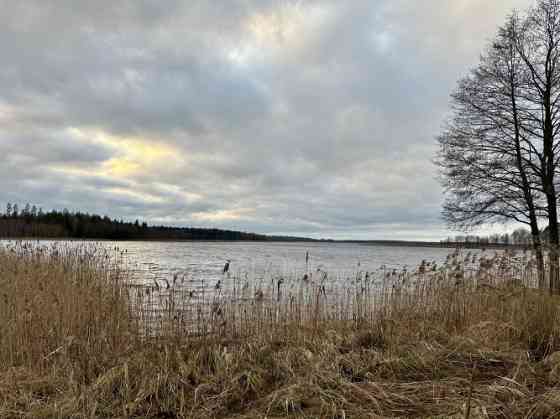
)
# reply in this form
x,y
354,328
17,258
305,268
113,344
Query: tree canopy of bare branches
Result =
x,y
500,150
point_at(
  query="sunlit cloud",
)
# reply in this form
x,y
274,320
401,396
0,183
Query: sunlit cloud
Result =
x,y
284,29
133,156
223,215
139,196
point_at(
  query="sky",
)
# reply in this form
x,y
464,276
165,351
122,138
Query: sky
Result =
x,y
310,118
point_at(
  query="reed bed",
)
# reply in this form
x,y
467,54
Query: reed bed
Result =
x,y
242,305
471,338
59,298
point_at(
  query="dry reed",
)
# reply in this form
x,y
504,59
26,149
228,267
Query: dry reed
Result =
x,y
470,338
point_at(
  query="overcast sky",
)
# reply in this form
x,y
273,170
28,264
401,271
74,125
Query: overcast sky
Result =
x,y
312,118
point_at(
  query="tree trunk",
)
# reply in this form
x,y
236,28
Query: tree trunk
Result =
x,y
554,265
527,191
537,246
550,191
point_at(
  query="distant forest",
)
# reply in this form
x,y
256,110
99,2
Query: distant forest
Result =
x,y
33,222
520,237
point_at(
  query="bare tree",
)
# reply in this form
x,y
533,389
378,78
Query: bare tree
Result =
x,y
486,158
537,41
521,237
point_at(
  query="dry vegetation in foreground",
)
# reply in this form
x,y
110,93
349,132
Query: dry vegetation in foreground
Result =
x,y
446,343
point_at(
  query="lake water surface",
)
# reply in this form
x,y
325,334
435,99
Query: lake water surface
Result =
x,y
205,260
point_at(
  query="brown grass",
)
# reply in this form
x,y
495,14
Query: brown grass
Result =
x,y
468,339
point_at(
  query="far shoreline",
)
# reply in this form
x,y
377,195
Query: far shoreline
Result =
x,y
386,243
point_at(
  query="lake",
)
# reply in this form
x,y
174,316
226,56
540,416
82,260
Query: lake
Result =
x,y
205,260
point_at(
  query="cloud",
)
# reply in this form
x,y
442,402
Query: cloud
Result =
x,y
315,118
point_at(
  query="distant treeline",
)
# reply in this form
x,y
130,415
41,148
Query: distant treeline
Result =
x,y
33,222
520,237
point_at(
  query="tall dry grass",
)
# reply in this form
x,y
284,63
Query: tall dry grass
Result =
x,y
467,339
61,306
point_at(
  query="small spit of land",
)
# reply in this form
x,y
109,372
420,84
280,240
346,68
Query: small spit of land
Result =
x,y
468,339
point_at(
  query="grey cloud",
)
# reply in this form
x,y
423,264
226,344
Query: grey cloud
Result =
x,y
328,132
54,147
